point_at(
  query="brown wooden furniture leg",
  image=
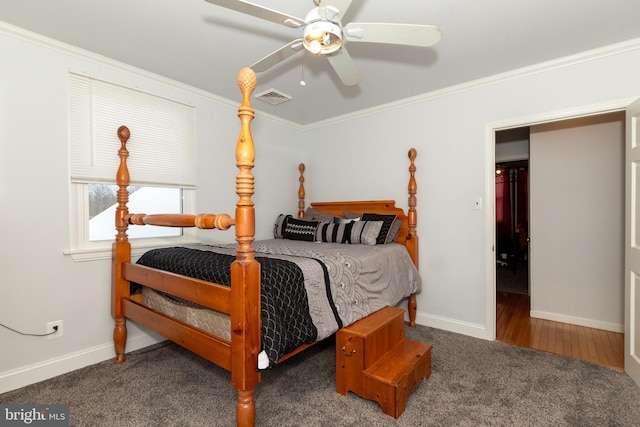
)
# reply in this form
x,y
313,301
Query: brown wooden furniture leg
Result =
x,y
412,306
119,339
245,409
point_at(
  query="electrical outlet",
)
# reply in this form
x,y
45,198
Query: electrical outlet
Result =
x,y
52,331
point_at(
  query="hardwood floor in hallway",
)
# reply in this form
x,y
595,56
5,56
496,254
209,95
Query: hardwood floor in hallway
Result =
x,y
515,326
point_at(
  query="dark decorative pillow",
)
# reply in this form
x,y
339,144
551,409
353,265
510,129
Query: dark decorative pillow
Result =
x,y
354,232
394,231
299,229
387,220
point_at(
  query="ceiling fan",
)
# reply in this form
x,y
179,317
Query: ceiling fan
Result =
x,y
324,34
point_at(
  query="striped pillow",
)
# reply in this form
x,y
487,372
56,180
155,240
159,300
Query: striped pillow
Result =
x,y
354,232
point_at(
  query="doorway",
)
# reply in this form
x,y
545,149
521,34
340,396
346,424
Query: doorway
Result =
x,y
563,294
512,210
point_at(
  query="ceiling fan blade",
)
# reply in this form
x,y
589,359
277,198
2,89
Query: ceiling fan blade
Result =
x,y
260,12
405,34
344,67
278,56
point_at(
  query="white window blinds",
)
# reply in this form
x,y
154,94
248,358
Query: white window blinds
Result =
x,y
162,143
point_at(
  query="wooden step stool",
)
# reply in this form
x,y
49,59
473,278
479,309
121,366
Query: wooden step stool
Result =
x,y
375,360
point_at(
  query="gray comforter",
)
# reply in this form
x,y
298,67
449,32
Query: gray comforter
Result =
x,y
363,278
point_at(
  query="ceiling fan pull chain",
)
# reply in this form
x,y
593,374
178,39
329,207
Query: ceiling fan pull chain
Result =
x,y
302,82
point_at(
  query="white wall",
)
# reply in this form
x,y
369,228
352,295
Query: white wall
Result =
x,y
449,132
39,284
577,221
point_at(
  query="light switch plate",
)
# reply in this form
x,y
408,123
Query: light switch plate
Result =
x,y
477,203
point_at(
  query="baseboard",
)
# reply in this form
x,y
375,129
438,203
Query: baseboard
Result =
x,y
12,380
452,325
580,321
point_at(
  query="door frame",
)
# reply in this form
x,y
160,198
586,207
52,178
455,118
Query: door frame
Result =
x,y
632,254
490,211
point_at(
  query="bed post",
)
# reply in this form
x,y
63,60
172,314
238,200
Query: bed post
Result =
x,y
412,236
245,270
301,193
121,249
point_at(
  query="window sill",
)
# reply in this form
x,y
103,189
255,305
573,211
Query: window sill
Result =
x,y
96,254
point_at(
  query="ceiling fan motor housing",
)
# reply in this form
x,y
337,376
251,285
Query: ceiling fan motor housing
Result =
x,y
323,31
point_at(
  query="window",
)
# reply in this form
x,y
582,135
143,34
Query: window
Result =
x,y
161,163
102,210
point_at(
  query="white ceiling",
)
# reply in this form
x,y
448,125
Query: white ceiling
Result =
x,y
204,45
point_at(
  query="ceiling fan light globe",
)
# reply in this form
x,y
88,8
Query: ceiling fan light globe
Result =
x,y
313,46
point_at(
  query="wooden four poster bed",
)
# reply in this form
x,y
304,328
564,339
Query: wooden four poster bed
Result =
x,y
239,350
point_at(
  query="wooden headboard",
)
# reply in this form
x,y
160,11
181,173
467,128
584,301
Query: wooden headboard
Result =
x,y
407,235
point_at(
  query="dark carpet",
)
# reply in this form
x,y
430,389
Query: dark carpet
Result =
x,y
474,383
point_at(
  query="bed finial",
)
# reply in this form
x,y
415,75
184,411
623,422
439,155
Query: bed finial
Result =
x,y
247,80
124,133
301,193
412,154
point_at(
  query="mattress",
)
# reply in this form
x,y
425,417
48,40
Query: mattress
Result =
x,y
211,321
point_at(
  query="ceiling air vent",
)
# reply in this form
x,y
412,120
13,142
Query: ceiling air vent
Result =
x,y
273,97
